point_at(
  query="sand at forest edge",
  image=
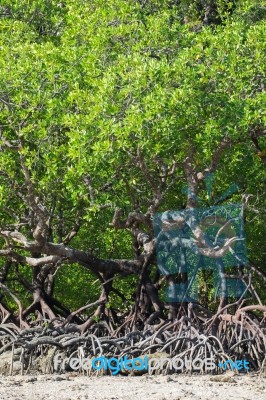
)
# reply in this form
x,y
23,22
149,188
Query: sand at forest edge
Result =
x,y
172,387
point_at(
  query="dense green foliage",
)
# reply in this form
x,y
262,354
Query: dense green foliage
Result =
x,y
90,88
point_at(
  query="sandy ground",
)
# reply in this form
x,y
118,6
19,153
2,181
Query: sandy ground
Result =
x,y
173,387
